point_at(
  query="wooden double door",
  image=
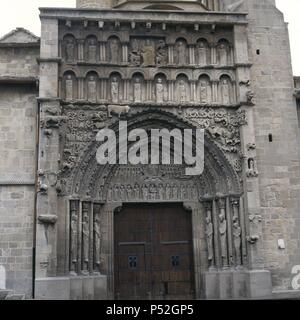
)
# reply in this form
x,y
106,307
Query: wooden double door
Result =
x,y
153,253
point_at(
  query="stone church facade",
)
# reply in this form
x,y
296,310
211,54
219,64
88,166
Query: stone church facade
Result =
x,y
73,229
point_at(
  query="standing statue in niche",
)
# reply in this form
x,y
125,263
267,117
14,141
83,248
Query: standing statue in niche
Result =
x,y
70,50
182,91
114,90
203,91
161,192
85,236
148,54
69,88
209,238
201,53
223,236
181,53
74,237
136,191
137,90
223,54
168,191
114,51
225,91
159,91
145,192
92,50
237,232
92,89
97,240
110,194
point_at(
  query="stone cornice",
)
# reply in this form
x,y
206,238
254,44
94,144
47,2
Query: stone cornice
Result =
x,y
170,17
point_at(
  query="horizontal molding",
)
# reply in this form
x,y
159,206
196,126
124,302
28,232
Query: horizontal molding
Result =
x,y
17,182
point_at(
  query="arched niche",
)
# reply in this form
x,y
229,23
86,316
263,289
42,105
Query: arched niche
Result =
x,y
114,50
182,89
202,52
69,86
115,88
223,52
138,91
69,48
225,90
91,49
181,52
160,88
92,84
204,89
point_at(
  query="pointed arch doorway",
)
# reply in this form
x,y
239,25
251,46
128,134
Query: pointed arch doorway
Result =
x,y
153,252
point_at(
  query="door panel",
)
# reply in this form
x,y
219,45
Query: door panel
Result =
x,y
153,253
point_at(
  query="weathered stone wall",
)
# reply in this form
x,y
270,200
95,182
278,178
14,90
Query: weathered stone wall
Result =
x,y
18,62
18,108
276,121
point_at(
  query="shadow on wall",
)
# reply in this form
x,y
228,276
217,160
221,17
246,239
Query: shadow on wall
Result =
x,y
2,278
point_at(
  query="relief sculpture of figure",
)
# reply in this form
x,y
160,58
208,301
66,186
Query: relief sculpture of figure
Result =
x,y
201,53
114,90
181,53
92,89
203,92
161,192
136,191
223,56
129,192
223,237
209,237
114,51
85,236
225,91
168,191
135,54
69,88
237,232
122,193
92,50
182,91
159,91
97,240
148,54
161,57
70,50
137,90
74,235
145,192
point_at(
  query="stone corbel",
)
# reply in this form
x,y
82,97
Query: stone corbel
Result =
x,y
47,219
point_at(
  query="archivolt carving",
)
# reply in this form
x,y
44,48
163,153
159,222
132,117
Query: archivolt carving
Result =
x,y
86,177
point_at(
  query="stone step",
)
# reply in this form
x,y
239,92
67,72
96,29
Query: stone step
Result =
x,y
15,297
4,294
